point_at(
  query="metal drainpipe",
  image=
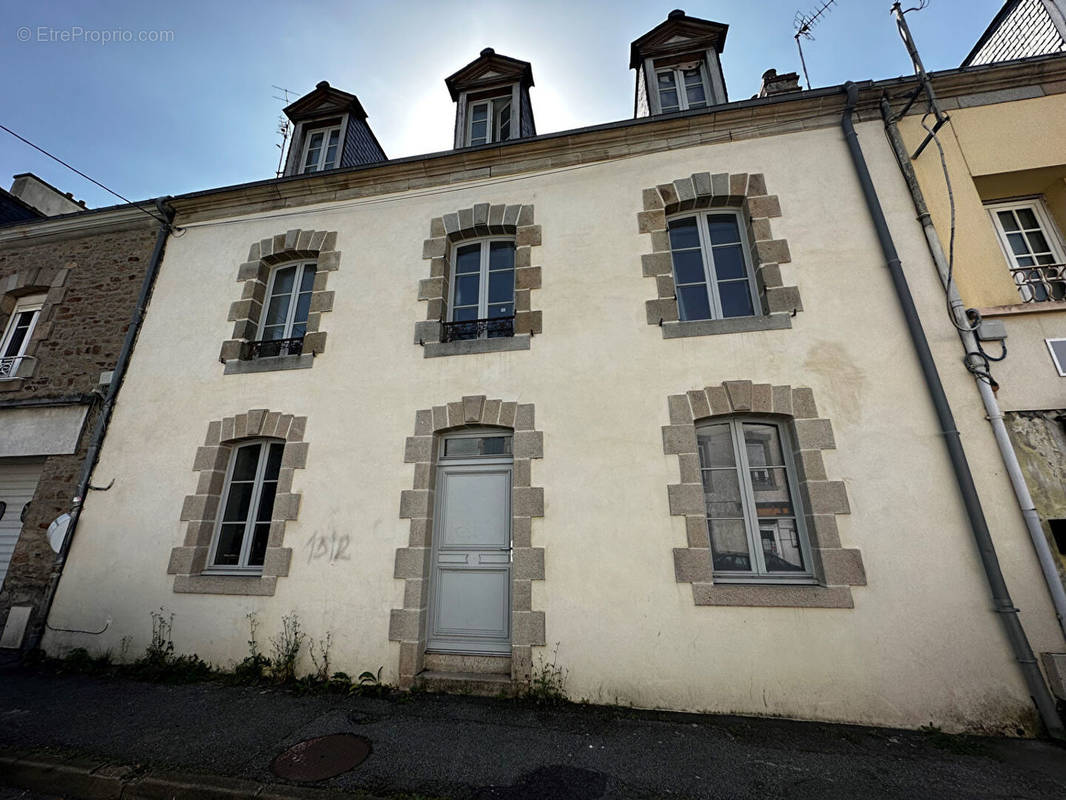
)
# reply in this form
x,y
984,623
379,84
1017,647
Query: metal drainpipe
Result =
x,y
93,452
1002,603
988,397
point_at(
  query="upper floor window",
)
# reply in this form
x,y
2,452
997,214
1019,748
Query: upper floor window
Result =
x,y
681,87
756,528
1033,249
243,527
18,334
284,320
483,290
321,149
712,266
490,121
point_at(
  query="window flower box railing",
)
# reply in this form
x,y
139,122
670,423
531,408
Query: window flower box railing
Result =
x,y
9,365
489,328
1039,284
270,348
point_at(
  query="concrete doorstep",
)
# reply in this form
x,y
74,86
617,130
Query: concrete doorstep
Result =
x,y
90,779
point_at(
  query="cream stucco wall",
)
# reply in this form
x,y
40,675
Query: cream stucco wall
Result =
x,y
993,152
921,644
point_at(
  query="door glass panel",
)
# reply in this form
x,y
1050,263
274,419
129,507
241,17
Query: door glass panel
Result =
x,y
238,502
283,280
307,281
477,509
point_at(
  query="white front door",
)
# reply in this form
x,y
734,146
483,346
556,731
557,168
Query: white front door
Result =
x,y
18,482
470,600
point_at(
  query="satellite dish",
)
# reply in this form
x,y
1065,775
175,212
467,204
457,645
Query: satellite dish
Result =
x,y
57,531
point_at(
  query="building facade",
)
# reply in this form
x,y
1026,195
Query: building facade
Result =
x,y
69,279
636,398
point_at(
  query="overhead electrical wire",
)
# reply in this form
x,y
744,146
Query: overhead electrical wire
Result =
x,y
126,200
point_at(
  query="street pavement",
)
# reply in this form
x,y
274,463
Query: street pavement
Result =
x,y
436,746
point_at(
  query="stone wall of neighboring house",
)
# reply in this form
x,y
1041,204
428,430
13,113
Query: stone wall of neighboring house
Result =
x,y
1039,439
91,281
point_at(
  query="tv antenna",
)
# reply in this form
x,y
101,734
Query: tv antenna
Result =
x,y
284,126
804,24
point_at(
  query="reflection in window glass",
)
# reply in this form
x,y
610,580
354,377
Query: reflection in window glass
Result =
x,y
752,520
241,540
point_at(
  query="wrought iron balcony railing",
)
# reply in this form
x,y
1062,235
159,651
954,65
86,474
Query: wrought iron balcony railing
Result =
x,y
490,328
268,348
1041,284
9,365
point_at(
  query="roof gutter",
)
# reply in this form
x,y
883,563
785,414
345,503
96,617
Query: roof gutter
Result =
x,y
1001,599
103,418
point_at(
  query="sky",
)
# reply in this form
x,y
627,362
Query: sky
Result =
x,y
163,98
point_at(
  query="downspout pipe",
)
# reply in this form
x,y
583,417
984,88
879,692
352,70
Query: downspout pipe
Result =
x,y
988,397
1001,599
104,416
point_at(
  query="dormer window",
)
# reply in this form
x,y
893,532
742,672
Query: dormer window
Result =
x,y
330,132
321,149
681,87
678,66
492,101
490,121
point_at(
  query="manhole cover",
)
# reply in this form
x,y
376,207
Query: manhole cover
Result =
x,y
322,757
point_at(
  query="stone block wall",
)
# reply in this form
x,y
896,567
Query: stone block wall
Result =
x,y
91,283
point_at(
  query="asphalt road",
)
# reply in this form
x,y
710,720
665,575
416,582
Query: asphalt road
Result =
x,y
461,747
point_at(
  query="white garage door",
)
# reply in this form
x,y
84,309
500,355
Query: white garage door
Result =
x,y
18,482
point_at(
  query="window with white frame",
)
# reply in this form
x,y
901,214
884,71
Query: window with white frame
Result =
x,y
1033,248
681,87
18,333
483,290
284,321
712,266
1057,347
489,121
321,149
243,526
755,525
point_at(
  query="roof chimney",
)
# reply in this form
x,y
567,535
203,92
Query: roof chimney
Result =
x,y
44,197
772,83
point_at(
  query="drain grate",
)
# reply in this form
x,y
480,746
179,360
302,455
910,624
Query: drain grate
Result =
x,y
322,757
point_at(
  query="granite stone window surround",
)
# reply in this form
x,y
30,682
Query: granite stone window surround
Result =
x,y
49,281
293,246
408,625
480,221
704,191
836,568
200,510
